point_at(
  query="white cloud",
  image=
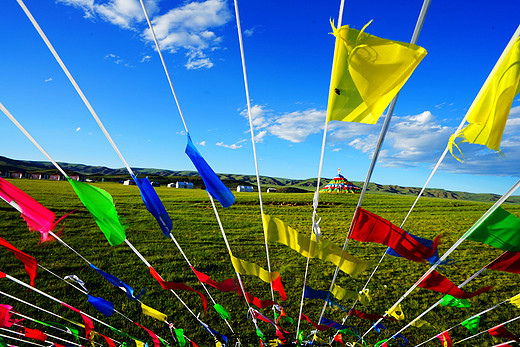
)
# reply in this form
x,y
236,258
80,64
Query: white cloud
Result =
x,y
114,58
233,146
202,143
78,129
197,60
250,32
336,150
48,79
297,126
145,58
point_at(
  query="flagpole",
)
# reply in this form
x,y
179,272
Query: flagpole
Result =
x,y
452,248
382,135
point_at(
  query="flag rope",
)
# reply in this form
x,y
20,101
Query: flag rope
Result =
x,y
382,135
48,335
485,331
451,249
248,99
17,339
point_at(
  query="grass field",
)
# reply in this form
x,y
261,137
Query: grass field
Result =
x,y
197,231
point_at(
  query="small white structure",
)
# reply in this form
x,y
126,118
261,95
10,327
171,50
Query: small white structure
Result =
x,y
248,189
271,190
185,185
129,183
170,185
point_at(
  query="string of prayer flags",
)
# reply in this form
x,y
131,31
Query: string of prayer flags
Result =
x,y
102,305
507,262
147,310
428,243
318,327
246,268
445,339
30,263
324,295
501,331
500,230
229,285
438,283
70,330
179,334
282,315
488,114
154,205
263,318
213,184
471,324
101,206
119,284
215,333
37,217
367,73
336,325
34,334
452,301
154,337
515,301
179,286
277,231
396,312
369,227
89,326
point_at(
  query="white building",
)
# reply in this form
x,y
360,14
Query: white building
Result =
x,y
186,185
271,190
129,183
245,189
170,185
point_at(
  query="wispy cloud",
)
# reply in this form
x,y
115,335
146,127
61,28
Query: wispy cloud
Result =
x,y
145,58
48,79
190,27
233,146
78,129
202,143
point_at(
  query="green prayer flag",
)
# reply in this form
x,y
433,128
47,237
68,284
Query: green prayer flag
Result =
x,y
71,330
452,301
179,333
3,343
378,344
471,324
348,332
260,334
121,333
101,206
164,341
222,311
500,230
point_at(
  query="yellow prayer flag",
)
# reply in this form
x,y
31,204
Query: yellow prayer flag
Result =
x,y
277,231
487,115
138,343
419,323
246,268
341,293
515,300
367,73
396,312
147,310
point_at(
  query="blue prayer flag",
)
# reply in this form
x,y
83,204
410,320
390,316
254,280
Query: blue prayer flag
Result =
x,y
213,184
120,284
102,305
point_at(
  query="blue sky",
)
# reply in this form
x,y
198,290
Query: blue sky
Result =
x,y
288,49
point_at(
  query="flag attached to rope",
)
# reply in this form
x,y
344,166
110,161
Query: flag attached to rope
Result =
x,y
515,301
396,312
229,285
102,305
30,263
428,243
488,114
147,310
501,331
277,231
89,326
101,206
154,337
500,230
119,284
179,334
471,324
251,299
367,73
438,283
108,340
154,205
37,217
363,315
445,339
369,227
452,301
507,262
35,334
213,184
5,316
319,327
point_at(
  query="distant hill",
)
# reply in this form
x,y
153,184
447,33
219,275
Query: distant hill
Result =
x,y
231,180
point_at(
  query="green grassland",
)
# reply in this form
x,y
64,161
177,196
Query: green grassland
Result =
x,y
196,229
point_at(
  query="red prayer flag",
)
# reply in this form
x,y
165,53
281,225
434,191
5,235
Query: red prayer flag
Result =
x,y
500,331
89,326
179,286
30,263
228,285
438,283
364,315
507,262
110,342
369,227
58,345
251,299
318,327
154,337
339,338
5,316
193,343
445,339
35,334
277,286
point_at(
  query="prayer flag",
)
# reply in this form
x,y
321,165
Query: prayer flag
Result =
x,y
30,263
119,284
101,206
500,230
500,331
438,283
179,334
419,323
154,205
213,184
507,262
318,327
277,231
488,114
229,285
396,312
452,301
3,343
89,326
221,311
428,243
335,325
36,216
109,341
324,295
215,333
179,286
369,227
154,337
367,73
515,300
5,316
251,299
471,324
368,316
147,310
35,334
445,339
102,305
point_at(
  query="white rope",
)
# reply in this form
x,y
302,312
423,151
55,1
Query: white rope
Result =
x,y
485,331
163,63
17,339
71,79
246,86
452,248
48,335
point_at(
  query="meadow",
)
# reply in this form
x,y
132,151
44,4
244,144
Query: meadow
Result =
x,y
197,231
